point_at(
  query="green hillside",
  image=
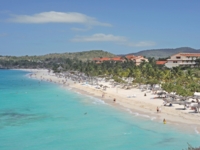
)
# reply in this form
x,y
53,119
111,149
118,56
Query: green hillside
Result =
x,y
50,60
84,56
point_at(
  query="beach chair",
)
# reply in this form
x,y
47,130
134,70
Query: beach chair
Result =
x,y
134,95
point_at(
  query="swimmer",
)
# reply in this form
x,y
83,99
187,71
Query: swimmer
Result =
x,y
164,121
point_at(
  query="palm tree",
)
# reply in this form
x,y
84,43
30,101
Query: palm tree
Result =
x,y
197,61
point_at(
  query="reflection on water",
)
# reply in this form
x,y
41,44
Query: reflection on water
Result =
x,y
166,140
13,118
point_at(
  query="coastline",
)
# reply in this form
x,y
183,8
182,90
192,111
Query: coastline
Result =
x,y
139,104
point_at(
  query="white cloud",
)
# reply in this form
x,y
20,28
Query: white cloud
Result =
x,y
100,37
81,29
57,17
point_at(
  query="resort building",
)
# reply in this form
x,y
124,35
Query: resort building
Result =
x,y
139,59
136,59
182,59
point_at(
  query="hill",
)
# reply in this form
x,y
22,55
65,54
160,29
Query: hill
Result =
x,y
50,60
84,56
163,53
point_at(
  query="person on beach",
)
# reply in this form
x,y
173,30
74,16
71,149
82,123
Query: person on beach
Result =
x,y
114,100
160,109
157,109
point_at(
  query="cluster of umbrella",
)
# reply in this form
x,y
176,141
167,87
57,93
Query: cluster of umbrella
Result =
x,y
149,88
81,77
192,101
172,98
189,101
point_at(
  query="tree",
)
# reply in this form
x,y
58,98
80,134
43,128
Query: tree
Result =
x,y
197,61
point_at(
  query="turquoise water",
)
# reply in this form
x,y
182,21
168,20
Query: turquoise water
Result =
x,y
37,115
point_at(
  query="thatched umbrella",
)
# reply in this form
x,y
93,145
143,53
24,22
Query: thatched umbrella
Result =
x,y
161,93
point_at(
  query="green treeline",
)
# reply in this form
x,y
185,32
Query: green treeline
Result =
x,y
182,80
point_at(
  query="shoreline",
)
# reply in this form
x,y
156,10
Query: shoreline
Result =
x,y
146,115
140,104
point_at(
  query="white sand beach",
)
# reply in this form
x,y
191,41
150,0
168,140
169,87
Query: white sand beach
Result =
x,y
133,100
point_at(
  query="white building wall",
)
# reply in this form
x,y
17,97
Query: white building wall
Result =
x,y
170,64
183,60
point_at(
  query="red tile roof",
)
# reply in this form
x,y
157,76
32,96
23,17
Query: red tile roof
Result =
x,y
130,56
104,59
117,59
96,58
190,54
160,62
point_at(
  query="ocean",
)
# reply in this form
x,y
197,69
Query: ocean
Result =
x,y
38,115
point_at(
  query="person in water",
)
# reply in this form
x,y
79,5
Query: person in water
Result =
x,y
164,121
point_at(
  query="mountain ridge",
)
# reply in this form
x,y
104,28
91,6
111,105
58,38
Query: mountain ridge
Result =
x,y
90,54
165,52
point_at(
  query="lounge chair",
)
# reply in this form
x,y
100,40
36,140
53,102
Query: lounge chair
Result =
x,y
134,95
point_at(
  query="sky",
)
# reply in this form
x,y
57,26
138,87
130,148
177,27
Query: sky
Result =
x,y
37,27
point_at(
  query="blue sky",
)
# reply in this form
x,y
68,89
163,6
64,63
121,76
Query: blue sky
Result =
x,y
39,27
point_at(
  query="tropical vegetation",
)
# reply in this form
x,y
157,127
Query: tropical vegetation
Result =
x,y
182,80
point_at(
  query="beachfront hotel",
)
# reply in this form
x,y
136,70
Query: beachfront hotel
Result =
x,y
137,59
182,59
